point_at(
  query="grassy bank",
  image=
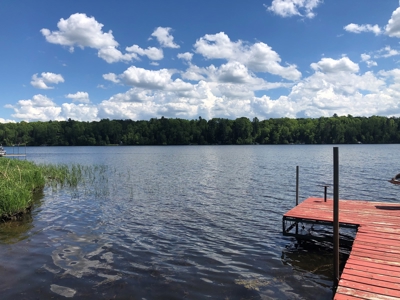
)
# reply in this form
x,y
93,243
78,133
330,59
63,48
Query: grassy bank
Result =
x,y
18,181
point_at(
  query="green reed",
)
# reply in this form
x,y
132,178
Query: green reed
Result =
x,y
20,179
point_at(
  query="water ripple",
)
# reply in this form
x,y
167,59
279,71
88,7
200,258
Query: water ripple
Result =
x,y
184,222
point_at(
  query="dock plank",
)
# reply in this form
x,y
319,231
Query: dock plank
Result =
x,y
372,270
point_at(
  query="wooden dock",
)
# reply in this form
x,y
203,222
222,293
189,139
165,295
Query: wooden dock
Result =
x,y
372,270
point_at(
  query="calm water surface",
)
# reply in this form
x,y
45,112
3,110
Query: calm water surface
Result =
x,y
189,222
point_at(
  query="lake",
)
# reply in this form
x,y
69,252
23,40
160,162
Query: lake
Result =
x,y
183,222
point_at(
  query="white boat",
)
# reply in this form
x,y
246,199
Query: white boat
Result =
x,y
2,151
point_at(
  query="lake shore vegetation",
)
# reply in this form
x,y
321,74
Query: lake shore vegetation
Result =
x,y
21,179
216,131
18,181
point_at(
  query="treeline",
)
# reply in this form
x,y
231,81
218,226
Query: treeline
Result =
x,y
164,131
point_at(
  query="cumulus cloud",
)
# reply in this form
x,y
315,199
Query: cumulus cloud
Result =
x,y
289,8
152,53
111,77
336,86
330,65
42,81
112,55
393,27
363,28
82,97
387,52
81,112
164,37
42,108
185,56
143,78
258,57
82,31
134,95
230,86
367,59
39,108
6,121
139,103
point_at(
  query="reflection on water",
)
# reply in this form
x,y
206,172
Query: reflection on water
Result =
x,y
182,222
314,257
14,231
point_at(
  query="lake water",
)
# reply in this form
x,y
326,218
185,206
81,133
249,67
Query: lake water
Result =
x,y
188,222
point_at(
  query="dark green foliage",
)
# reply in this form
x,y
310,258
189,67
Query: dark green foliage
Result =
x,y
164,131
18,181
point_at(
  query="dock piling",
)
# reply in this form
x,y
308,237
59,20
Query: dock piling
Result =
x,y
336,262
297,185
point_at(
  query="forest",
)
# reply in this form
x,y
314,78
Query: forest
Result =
x,y
216,131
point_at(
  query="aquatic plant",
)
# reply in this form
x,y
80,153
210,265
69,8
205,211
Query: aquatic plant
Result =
x,y
18,181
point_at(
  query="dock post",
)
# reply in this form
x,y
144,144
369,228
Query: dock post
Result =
x,y
336,216
297,185
325,192
297,195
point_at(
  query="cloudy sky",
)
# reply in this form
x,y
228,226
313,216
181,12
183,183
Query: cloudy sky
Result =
x,y
89,60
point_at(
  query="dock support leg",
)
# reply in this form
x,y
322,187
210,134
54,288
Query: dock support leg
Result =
x,y
297,195
336,216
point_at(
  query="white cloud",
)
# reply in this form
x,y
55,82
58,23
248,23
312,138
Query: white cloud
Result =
x,y
152,79
127,110
185,56
355,28
138,103
42,81
258,57
143,78
194,73
330,65
289,8
42,108
79,97
39,108
6,121
82,31
112,55
367,59
151,52
387,52
163,36
81,112
234,72
111,77
133,95
393,27
336,86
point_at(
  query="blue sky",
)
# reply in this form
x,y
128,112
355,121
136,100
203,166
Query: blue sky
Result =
x,y
138,60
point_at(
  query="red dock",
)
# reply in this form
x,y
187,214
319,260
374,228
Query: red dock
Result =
x,y
372,270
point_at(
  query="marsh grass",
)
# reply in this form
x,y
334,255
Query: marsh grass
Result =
x,y
19,180
78,179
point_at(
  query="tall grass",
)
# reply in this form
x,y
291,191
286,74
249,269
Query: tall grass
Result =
x,y
78,179
20,179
